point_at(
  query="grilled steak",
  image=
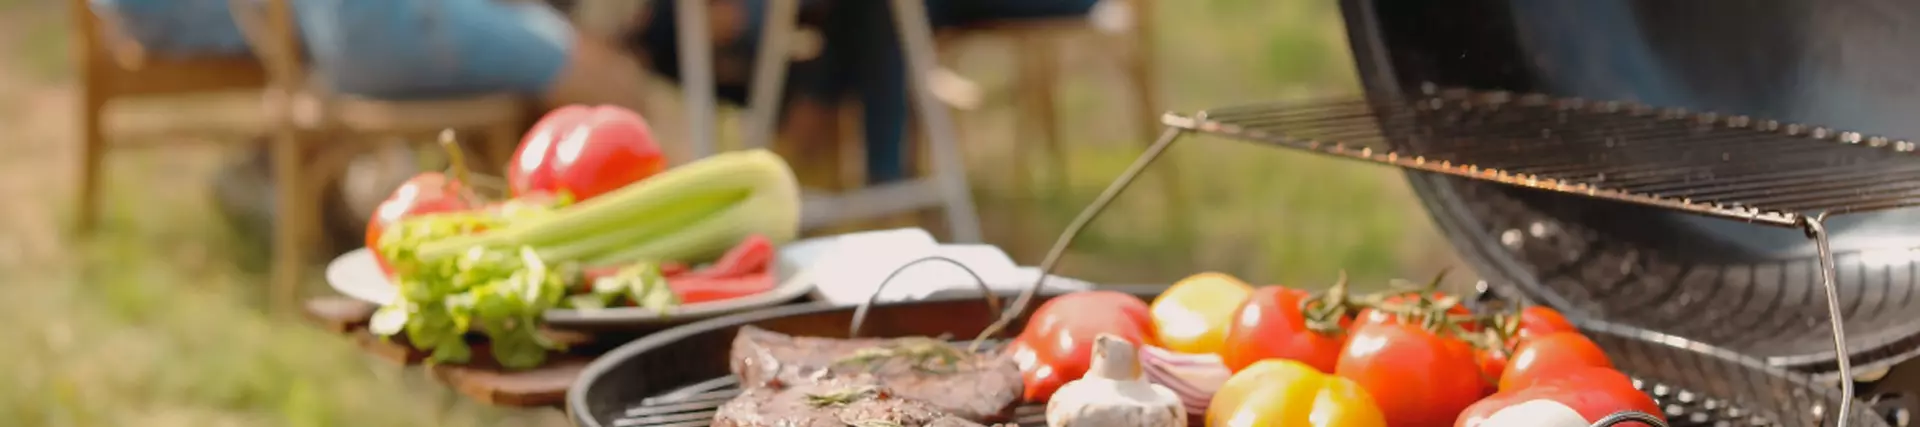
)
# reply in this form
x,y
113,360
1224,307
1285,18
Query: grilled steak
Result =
x,y
831,403
978,387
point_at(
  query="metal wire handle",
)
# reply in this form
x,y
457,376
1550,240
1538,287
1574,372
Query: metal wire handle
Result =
x,y
860,313
1817,230
1079,223
1628,416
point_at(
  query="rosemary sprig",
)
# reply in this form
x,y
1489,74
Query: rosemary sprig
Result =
x,y
840,397
926,354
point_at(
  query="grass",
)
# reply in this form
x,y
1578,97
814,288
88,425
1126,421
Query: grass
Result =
x,y
157,321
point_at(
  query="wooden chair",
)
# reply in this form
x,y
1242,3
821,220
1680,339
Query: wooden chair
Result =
x,y
113,68
316,132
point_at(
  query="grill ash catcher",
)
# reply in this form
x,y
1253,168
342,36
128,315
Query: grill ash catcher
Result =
x,y
1732,167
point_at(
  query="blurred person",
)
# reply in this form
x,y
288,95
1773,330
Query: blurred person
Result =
x,y
392,49
860,57
407,49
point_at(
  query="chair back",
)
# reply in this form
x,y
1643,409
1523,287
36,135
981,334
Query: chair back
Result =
x,y
274,37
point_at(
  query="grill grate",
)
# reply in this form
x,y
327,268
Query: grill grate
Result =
x,y
694,406
1728,166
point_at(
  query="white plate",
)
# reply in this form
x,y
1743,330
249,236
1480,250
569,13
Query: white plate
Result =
x,y
356,274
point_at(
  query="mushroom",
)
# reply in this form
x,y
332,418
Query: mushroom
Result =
x,y
1112,394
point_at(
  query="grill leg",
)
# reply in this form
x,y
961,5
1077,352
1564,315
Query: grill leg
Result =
x,y
1818,232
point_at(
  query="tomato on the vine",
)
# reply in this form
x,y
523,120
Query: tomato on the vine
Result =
x,y
1592,392
1413,300
1271,325
1540,321
1417,377
1544,357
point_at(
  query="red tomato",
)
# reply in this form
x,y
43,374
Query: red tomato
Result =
x,y
1547,356
585,151
1371,316
1418,378
425,193
1593,392
1537,321
1057,345
1270,325
1492,364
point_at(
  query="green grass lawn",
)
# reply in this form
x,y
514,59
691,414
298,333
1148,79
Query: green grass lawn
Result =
x,y
158,321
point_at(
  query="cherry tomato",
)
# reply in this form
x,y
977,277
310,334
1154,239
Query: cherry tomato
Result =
x,y
1492,364
585,152
1547,356
1592,392
1192,315
1270,325
1057,344
1374,316
1538,321
1418,378
1278,392
425,193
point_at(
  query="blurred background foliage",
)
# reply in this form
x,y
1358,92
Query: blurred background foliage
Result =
x,y
159,322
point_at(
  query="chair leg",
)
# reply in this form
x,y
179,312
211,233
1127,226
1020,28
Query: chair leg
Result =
x,y
1040,73
93,152
502,140
293,213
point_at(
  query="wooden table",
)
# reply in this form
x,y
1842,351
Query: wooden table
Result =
x,y
483,380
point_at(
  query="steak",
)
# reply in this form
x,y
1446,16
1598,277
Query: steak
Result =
x,y
831,403
981,387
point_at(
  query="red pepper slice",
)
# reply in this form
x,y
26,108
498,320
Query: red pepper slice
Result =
x,y
694,289
751,256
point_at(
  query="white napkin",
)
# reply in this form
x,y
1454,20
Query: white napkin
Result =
x,y
846,269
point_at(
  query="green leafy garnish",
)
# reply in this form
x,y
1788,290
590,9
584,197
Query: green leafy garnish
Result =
x,y
500,292
840,397
926,354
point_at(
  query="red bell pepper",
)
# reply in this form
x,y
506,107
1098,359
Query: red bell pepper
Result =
x,y
584,152
703,289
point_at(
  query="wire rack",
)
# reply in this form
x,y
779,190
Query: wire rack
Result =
x,y
1727,166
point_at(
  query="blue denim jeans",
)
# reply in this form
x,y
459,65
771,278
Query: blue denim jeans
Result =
x,y
380,48
861,57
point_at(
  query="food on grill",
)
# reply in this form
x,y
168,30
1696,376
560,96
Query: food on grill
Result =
x,y
975,386
1192,315
831,403
1589,393
1279,392
1417,376
1276,322
1112,394
1546,356
1057,345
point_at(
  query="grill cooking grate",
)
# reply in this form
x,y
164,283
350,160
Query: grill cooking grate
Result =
x,y
694,406
1728,166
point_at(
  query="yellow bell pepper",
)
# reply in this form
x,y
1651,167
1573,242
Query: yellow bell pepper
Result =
x,y
1192,316
1280,392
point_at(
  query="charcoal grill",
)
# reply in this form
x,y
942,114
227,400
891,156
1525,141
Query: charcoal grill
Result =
x,y
678,377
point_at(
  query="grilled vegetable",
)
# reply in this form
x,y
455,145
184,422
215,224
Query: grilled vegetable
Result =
x,y
1113,394
1192,316
1279,392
